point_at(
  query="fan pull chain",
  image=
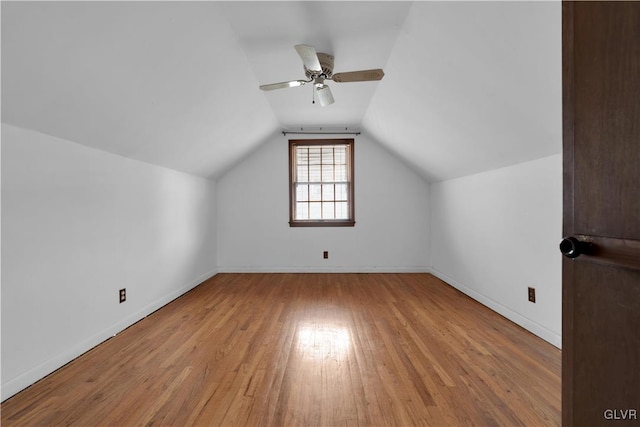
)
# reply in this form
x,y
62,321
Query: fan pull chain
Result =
x,y
313,96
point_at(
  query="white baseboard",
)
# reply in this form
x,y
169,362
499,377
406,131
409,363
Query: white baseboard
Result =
x,y
40,371
328,269
535,328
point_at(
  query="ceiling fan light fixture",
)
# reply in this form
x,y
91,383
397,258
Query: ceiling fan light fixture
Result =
x,y
324,94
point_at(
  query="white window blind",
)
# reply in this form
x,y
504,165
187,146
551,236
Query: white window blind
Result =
x,y
321,182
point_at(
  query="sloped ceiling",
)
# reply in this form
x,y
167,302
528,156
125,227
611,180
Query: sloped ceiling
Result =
x,y
468,86
472,86
162,82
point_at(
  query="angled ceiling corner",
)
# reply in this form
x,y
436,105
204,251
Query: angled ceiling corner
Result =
x,y
360,35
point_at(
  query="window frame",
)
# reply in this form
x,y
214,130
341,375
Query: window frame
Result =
x,y
349,222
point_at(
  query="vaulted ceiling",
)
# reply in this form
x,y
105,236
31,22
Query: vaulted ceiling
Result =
x,y
468,86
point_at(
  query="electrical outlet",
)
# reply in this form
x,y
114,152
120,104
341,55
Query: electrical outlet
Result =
x,y
325,254
532,294
123,295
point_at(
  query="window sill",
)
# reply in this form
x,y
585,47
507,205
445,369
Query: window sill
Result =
x,y
325,223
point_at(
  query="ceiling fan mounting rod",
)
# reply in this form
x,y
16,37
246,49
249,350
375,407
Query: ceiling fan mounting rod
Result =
x,y
326,67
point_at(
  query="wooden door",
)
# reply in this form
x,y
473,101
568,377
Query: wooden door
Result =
x,y
601,284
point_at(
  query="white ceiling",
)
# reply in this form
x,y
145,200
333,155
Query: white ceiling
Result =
x,y
468,86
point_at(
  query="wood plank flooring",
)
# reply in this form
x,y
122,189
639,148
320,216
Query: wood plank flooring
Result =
x,y
307,350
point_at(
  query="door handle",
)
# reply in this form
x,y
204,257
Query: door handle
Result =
x,y
571,247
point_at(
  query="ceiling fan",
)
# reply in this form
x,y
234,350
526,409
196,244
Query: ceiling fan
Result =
x,y
319,67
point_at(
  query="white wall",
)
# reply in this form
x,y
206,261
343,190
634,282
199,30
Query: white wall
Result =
x,y
391,207
78,224
496,233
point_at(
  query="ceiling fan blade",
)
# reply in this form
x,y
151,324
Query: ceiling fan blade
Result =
x,y
358,76
292,83
324,95
309,57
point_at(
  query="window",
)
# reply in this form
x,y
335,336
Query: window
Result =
x,y
321,183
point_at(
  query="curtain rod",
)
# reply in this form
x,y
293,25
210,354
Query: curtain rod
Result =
x,y
285,132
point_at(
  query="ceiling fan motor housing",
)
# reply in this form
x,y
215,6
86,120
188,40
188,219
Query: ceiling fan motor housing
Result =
x,y
326,63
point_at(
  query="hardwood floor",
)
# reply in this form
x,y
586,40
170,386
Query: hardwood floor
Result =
x,y
306,350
